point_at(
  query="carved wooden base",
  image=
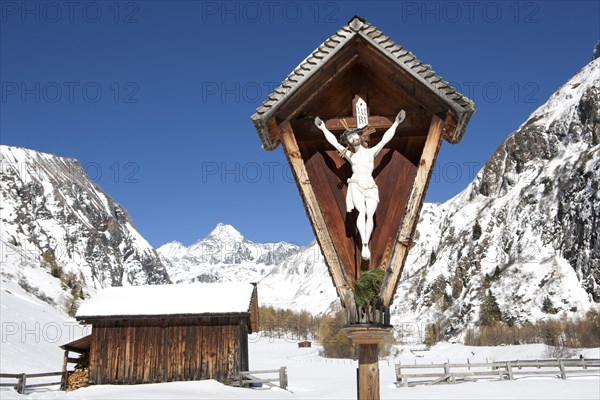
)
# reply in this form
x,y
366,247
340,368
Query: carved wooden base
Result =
x,y
367,338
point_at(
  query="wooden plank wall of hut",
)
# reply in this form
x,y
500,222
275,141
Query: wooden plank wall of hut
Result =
x,y
149,351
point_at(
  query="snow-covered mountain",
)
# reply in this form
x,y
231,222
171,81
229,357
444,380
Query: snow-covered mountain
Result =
x,y
223,256
62,236
525,229
288,276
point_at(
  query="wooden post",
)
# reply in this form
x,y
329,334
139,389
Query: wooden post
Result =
x,y
399,380
561,365
64,376
509,370
283,379
367,374
22,384
447,372
368,371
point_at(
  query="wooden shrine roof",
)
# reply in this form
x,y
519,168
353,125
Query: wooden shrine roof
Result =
x,y
459,104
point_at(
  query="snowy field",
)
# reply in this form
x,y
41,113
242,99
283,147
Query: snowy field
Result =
x,y
313,377
32,332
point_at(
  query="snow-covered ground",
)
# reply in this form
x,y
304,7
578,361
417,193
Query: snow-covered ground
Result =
x,y
32,331
313,377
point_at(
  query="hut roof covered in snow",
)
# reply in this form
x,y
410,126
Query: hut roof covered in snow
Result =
x,y
169,300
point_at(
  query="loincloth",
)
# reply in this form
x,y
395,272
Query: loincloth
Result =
x,y
365,186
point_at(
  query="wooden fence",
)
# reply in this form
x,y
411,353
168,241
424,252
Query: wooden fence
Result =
x,y
452,373
247,378
21,384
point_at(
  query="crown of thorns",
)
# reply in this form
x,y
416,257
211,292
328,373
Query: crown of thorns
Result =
x,y
347,133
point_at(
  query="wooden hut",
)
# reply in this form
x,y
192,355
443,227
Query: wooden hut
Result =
x,y
163,333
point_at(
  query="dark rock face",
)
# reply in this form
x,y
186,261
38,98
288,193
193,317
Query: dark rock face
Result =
x,y
573,188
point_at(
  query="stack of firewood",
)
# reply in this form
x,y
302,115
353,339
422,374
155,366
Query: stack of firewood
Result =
x,y
77,379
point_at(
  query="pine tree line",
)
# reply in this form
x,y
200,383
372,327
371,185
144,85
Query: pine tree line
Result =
x,y
564,332
296,325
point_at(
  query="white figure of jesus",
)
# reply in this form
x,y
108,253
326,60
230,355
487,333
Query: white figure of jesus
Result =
x,y
363,193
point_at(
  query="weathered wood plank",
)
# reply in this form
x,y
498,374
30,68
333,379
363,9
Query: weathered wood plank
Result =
x,y
342,69
326,172
292,152
394,176
119,346
198,371
151,350
64,373
110,355
368,371
409,221
127,356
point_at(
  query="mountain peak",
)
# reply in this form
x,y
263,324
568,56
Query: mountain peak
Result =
x,y
225,232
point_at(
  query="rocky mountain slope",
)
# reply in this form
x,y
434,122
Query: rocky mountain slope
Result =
x,y
62,236
525,229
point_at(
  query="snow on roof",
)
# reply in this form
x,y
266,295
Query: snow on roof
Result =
x,y
154,300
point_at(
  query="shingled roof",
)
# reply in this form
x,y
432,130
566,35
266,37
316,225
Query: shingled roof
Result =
x,y
459,104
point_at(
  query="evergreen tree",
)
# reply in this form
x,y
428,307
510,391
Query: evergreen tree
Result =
x,y
497,272
432,258
476,231
548,306
489,311
560,213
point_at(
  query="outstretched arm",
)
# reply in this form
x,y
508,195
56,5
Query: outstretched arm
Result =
x,y
389,134
328,135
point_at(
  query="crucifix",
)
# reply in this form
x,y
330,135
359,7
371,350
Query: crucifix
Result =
x,y
355,61
363,193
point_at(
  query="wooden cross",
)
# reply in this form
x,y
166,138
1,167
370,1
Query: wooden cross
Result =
x,y
359,119
353,121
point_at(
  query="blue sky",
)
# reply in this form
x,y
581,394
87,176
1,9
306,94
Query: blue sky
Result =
x,y
155,97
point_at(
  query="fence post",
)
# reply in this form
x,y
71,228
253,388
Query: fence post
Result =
x,y
22,383
509,370
65,374
447,371
283,379
561,365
